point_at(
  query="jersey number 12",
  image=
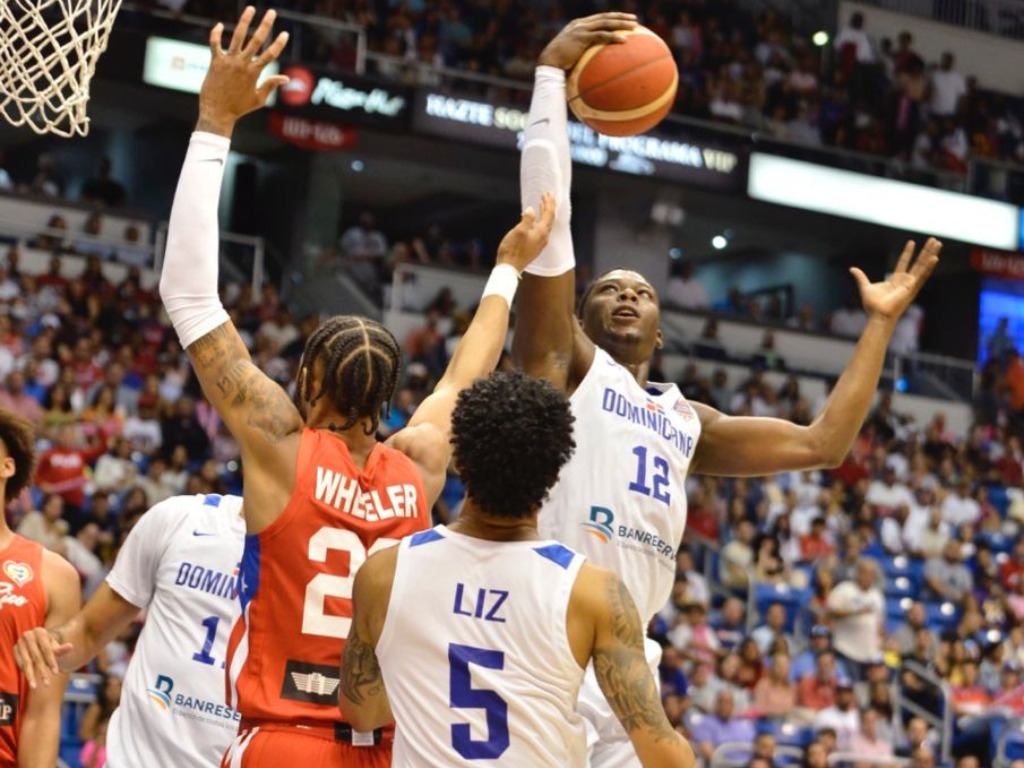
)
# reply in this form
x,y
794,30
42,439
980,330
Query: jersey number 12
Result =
x,y
659,477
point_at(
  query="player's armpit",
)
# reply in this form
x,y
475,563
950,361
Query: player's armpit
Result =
x,y
627,681
258,412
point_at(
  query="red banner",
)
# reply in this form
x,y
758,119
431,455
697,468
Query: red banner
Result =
x,y
314,135
998,263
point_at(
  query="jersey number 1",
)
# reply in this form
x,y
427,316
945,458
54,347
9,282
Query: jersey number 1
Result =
x,y
315,620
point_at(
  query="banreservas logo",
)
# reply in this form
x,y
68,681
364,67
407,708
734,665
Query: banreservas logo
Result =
x,y
600,524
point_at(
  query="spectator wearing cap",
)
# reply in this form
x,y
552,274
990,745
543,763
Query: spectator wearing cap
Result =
x,y
806,663
947,577
857,608
817,691
722,727
842,716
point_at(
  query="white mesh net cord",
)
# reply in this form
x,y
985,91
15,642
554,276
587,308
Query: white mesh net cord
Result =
x,y
48,55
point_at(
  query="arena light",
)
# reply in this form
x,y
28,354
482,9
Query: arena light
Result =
x,y
820,38
719,242
885,202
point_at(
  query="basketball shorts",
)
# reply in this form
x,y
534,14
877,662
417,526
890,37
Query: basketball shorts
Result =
x,y
608,743
274,747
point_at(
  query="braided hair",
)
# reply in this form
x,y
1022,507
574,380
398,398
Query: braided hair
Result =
x,y
359,361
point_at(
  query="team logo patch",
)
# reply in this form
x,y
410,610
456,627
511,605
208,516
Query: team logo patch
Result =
x,y
313,683
8,708
600,524
20,573
683,409
160,693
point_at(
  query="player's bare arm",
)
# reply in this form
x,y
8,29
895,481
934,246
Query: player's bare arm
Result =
x,y
362,697
258,412
604,625
40,730
742,446
45,652
426,439
548,342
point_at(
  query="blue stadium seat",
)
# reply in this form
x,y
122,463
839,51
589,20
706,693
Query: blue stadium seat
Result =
x,y
941,616
793,599
900,586
789,735
999,498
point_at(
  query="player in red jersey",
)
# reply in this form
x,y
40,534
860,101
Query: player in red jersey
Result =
x,y
37,588
321,494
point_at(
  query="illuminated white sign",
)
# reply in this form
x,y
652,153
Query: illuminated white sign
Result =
x,y
182,66
639,155
335,94
889,203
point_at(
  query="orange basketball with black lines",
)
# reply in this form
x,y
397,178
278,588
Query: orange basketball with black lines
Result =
x,y
623,89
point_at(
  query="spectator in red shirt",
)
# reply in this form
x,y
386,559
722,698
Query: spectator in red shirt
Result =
x,y
87,373
817,691
62,470
53,279
1013,569
815,544
969,698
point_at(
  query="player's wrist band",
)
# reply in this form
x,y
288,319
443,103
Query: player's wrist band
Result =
x,y
504,282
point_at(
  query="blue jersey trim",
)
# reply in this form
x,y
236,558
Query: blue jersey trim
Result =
x,y
249,574
424,537
212,500
557,554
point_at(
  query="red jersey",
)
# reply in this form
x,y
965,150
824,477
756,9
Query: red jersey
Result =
x,y
22,607
285,651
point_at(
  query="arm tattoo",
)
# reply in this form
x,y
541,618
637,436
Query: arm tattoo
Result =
x,y
224,367
623,672
361,677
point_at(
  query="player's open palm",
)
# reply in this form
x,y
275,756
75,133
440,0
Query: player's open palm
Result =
x,y
580,34
527,239
230,89
36,654
890,298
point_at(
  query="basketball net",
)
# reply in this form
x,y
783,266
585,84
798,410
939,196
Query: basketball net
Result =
x,y
48,55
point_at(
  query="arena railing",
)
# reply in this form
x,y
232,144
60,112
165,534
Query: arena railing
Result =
x,y
944,723
300,26
1004,18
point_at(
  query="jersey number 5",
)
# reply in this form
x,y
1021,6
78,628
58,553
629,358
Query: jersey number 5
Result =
x,y
315,621
462,695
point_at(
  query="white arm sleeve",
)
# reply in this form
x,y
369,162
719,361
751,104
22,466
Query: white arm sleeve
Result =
x,y
188,282
546,166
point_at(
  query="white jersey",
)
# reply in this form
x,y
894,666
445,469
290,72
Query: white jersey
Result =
x,y
621,499
181,563
475,655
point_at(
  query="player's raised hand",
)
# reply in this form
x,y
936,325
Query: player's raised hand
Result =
x,y
36,654
230,89
578,35
527,239
890,298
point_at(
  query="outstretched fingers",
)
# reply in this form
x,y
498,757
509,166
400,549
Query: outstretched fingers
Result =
x,y
927,261
216,40
259,37
238,36
273,51
905,257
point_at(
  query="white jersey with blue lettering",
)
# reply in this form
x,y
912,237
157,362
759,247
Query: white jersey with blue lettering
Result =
x,y
475,654
621,498
621,502
180,562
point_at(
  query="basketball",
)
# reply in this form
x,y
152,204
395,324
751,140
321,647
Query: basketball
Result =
x,y
624,89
